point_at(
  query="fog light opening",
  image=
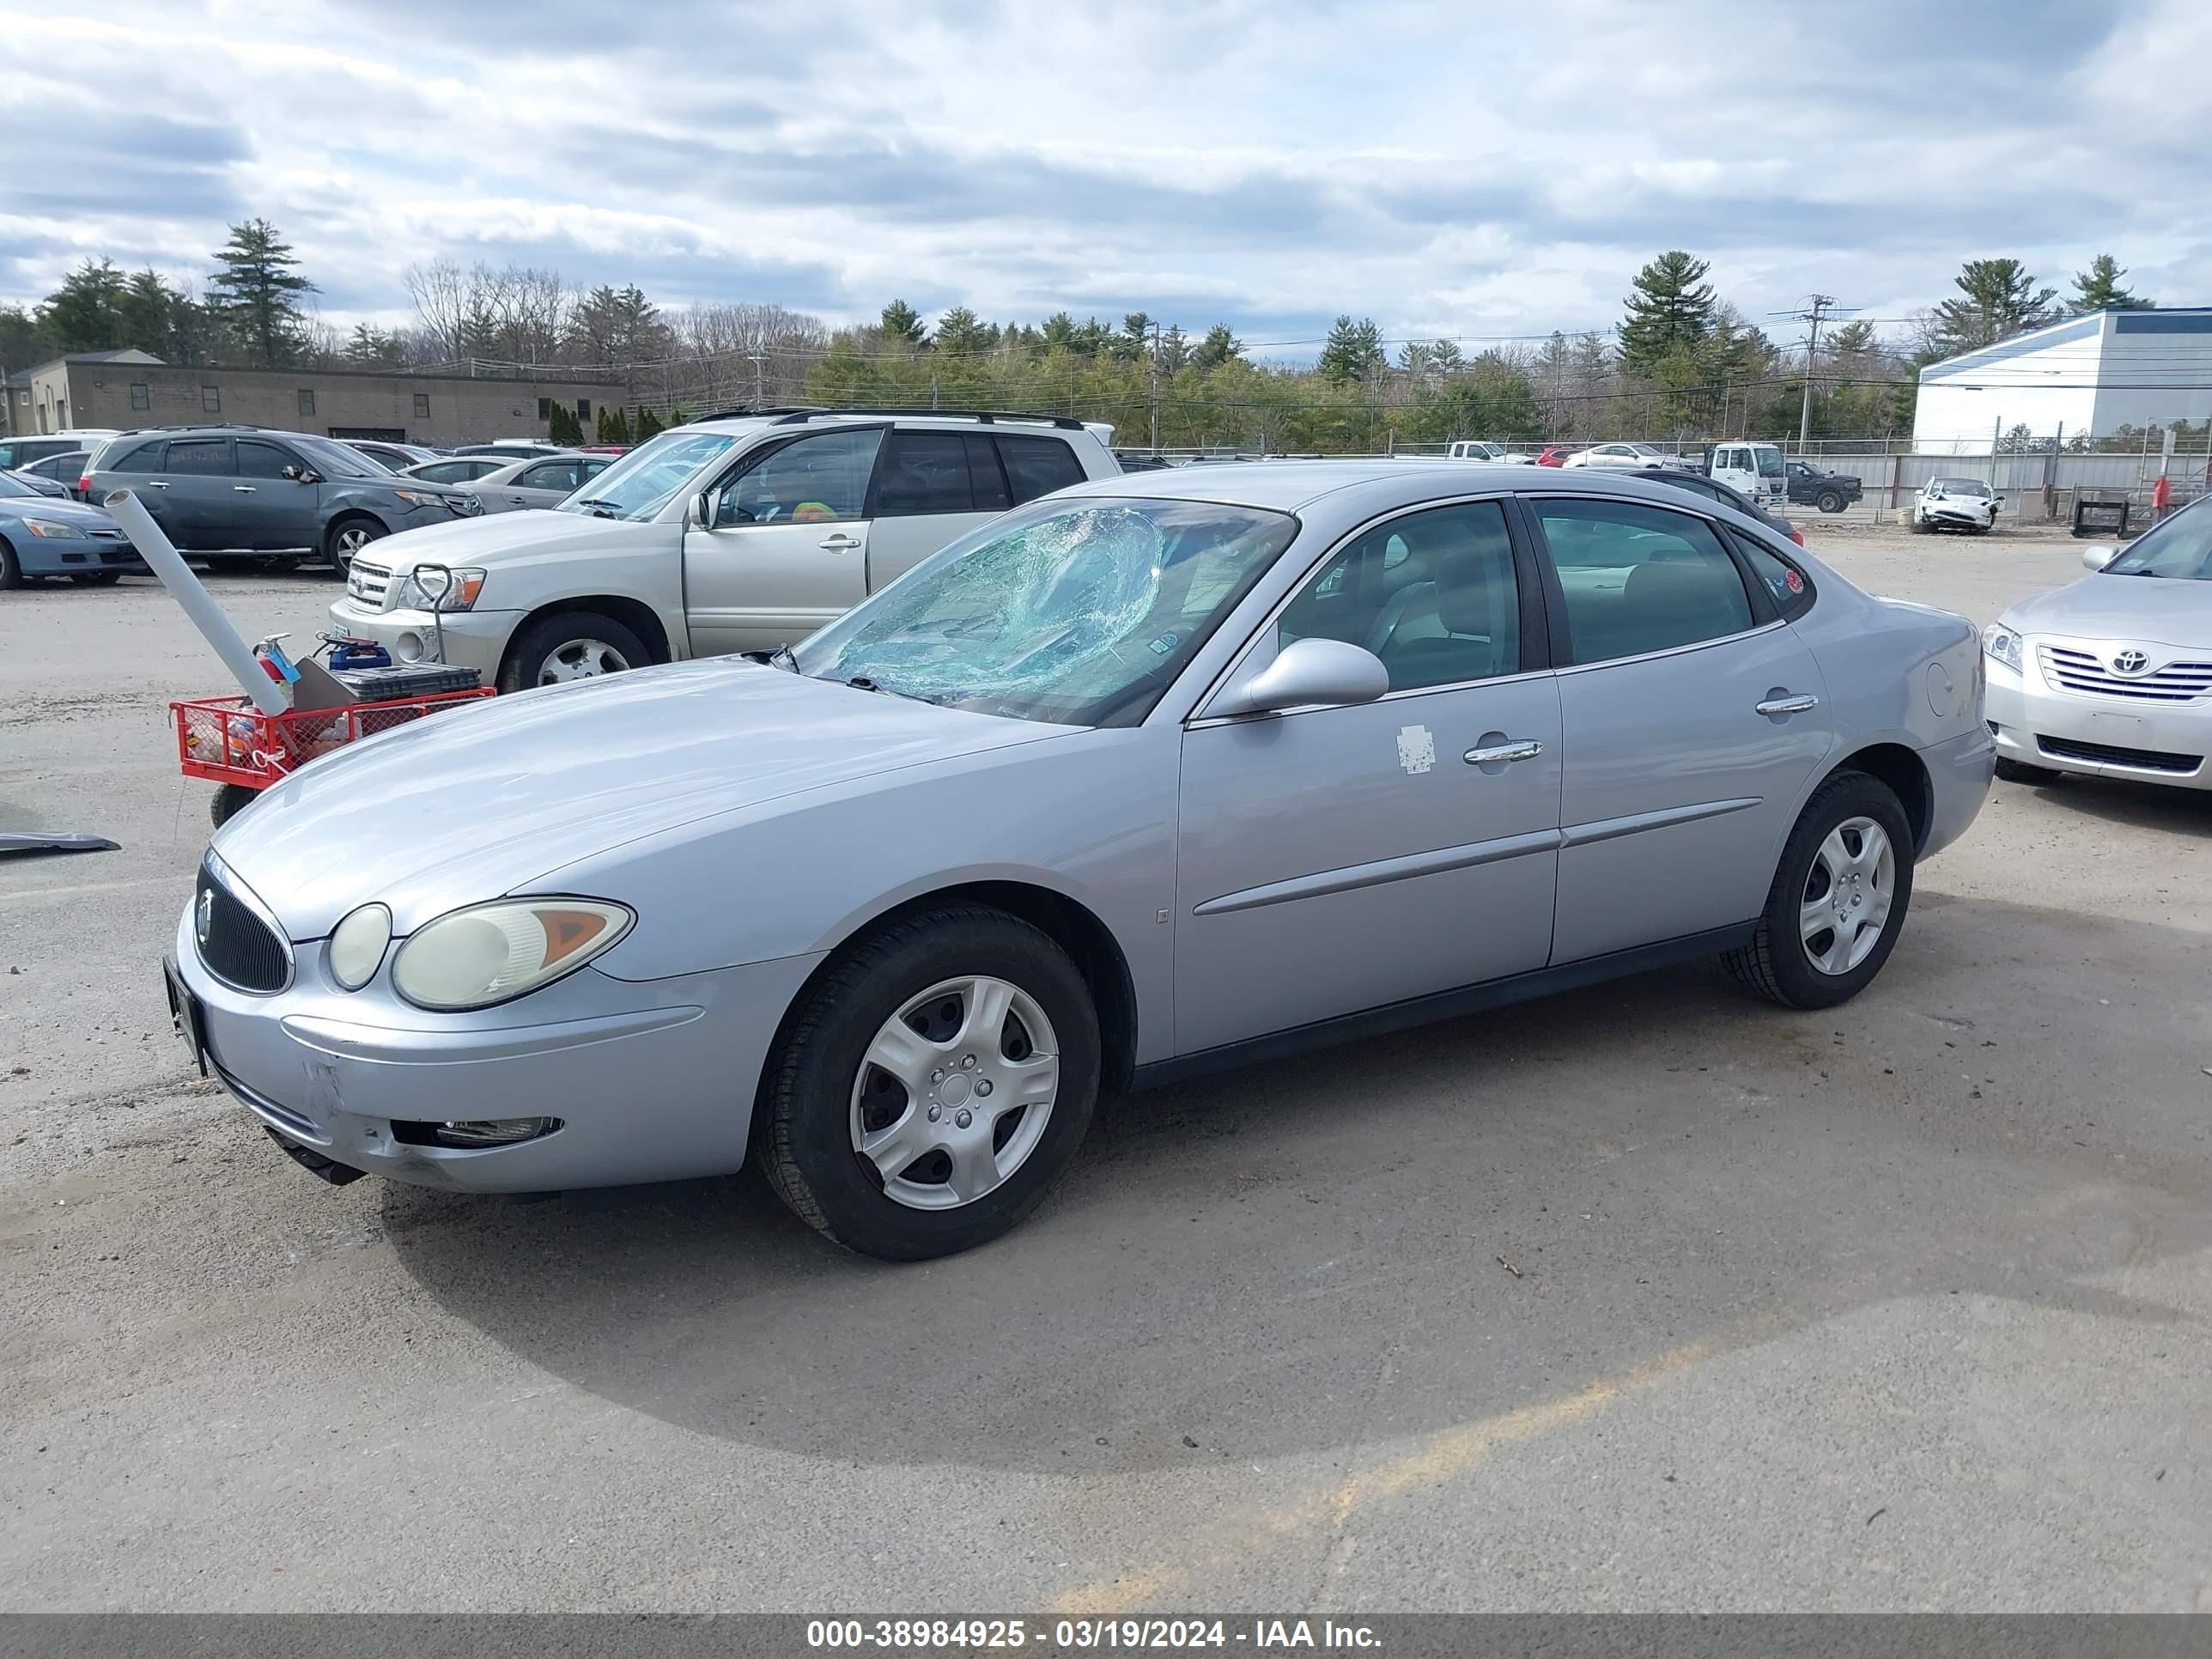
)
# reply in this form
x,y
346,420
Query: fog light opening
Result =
x,y
475,1131
410,648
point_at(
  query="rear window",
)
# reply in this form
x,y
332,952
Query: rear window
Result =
x,y
1038,466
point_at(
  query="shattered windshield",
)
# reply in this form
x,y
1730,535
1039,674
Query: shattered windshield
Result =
x,y
647,478
1075,612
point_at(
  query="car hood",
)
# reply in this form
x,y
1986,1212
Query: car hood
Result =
x,y
483,540
59,508
469,804
2153,610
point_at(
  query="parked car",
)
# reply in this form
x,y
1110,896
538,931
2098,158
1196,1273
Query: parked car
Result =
x,y
545,482
394,456
1477,449
37,485
1072,805
64,469
1713,489
605,449
1635,457
455,469
20,451
2111,675
1831,492
1555,454
739,533
513,449
42,537
1967,504
239,491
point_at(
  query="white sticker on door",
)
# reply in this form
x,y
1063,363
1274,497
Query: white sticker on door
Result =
x,y
1417,750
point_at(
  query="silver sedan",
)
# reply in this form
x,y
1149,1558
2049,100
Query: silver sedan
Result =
x,y
2111,675
540,481
1148,777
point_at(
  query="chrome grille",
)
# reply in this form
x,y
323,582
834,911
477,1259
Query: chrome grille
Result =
x,y
369,583
238,948
2088,674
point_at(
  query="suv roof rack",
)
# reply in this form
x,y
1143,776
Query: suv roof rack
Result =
x,y
987,416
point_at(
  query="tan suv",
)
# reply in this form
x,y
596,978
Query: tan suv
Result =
x,y
738,532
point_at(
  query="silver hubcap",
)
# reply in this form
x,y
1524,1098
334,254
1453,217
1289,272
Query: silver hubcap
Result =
x,y
1845,905
580,659
353,538
954,1094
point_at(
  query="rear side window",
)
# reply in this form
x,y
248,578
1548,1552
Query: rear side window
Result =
x,y
1638,578
548,474
144,457
1792,591
199,457
930,473
1038,466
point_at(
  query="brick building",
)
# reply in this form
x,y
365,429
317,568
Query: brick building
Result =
x,y
125,389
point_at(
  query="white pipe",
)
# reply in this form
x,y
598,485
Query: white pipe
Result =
x,y
185,587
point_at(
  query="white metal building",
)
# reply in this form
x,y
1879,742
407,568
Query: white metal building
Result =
x,y
2090,374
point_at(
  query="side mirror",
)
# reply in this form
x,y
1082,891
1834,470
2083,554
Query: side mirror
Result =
x,y
701,512
1308,671
2096,558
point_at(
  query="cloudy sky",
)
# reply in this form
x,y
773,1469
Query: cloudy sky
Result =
x,y
1453,169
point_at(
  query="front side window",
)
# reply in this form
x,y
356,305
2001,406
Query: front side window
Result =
x,y
1433,594
2180,548
1080,613
823,479
1770,463
257,459
1639,579
335,460
199,457
1038,466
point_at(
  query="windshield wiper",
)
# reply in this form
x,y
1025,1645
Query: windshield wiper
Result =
x,y
599,501
862,683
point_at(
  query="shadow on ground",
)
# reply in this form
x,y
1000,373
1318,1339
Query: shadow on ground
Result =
x,y
1308,1255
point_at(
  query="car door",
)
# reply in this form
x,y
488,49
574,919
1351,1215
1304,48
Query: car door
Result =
x,y
930,488
548,484
787,550
273,512
1336,859
1694,719
197,474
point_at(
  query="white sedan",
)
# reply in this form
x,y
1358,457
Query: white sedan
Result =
x,y
2111,675
1632,456
1967,504
545,481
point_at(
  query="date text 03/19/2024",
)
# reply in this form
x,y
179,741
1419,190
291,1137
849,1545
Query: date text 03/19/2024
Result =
x,y
1257,1635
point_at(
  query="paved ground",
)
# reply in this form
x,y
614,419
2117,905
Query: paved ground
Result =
x,y
1904,1305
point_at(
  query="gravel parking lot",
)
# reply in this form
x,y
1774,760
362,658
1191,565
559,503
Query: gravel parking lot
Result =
x,y
1647,1297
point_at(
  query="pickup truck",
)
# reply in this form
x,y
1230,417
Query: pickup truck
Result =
x,y
738,532
1831,492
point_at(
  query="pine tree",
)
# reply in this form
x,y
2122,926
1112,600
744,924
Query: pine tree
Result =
x,y
562,426
2098,288
85,313
1220,346
618,426
2001,299
901,321
256,292
960,333
648,423
1353,351
1672,307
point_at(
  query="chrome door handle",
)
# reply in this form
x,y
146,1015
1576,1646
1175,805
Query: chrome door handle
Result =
x,y
155,484
243,489
841,543
1524,749
1796,705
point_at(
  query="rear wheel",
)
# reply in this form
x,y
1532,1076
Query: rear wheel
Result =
x,y
11,573
1830,500
1839,899
932,1086
570,645
230,801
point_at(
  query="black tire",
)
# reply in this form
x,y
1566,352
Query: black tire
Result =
x,y
95,578
228,802
347,535
1776,964
803,1130
1919,525
1830,500
2013,771
583,643
280,565
11,573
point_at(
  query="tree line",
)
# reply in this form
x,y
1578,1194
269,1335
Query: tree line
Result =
x,y
1682,361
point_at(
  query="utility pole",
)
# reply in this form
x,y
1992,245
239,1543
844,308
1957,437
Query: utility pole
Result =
x,y
760,359
1818,308
1156,388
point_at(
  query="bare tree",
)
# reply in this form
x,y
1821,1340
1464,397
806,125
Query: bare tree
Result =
x,y
735,354
441,292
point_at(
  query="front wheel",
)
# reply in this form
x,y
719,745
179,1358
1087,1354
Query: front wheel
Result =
x,y
932,1086
346,537
229,802
570,645
1839,899
1830,500
11,573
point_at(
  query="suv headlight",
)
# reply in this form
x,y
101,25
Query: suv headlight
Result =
x,y
2000,643
467,584
492,954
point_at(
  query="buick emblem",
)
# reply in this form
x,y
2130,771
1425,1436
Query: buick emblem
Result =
x,y
2131,662
204,917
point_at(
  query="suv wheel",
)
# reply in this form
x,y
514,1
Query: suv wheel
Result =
x,y
570,645
346,536
1830,500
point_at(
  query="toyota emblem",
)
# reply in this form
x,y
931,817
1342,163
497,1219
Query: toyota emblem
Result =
x,y
2130,662
205,919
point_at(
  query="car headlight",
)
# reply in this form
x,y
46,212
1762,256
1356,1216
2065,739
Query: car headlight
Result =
x,y
435,498
495,952
357,946
2000,643
47,527
462,596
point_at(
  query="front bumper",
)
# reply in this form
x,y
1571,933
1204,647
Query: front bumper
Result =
x,y
1952,518
73,555
651,1080
474,639
2037,724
